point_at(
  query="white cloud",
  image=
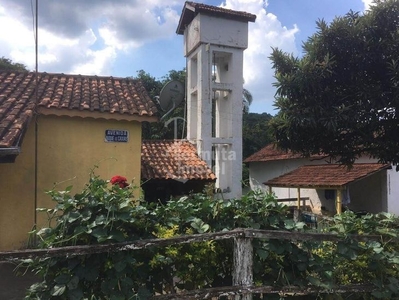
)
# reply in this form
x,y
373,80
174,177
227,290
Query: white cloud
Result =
x,y
110,39
266,33
97,63
16,42
133,27
78,37
367,4
88,37
56,54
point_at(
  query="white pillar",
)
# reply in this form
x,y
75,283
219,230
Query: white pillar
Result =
x,y
214,44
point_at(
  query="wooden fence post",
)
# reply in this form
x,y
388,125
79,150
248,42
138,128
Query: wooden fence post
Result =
x,y
243,265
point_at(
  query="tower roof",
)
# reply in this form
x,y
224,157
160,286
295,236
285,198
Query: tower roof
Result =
x,y
191,9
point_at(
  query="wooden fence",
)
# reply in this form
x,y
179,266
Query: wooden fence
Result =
x,y
243,286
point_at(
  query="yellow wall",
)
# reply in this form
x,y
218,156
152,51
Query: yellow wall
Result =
x,y
68,149
17,201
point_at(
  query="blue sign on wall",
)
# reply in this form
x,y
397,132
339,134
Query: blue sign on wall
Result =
x,y
116,136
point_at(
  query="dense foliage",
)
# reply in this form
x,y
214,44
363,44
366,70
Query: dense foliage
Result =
x,y
107,214
7,64
256,133
153,86
159,131
342,97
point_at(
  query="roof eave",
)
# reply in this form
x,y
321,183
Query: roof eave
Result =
x,y
302,186
335,186
97,115
8,155
179,179
187,15
190,11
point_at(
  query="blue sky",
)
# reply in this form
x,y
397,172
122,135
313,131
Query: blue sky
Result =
x,y
119,37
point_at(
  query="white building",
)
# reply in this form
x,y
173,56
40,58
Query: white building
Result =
x,y
214,44
368,186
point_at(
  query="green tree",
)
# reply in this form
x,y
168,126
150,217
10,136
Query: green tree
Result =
x,y
158,130
151,84
154,87
342,97
255,132
175,75
6,64
255,135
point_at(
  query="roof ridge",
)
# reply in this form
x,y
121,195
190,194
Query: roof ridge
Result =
x,y
325,175
72,95
210,8
70,75
165,140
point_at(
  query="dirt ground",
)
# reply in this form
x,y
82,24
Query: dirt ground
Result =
x,y
12,287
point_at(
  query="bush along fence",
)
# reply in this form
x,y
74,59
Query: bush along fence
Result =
x,y
101,244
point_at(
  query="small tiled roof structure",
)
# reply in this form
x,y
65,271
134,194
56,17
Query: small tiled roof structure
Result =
x,y
326,175
272,152
191,9
67,95
173,159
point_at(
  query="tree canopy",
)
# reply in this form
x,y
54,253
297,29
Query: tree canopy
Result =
x,y
159,131
255,133
153,86
8,65
342,96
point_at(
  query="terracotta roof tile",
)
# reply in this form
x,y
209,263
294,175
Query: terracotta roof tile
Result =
x,y
191,9
172,159
61,92
271,152
327,175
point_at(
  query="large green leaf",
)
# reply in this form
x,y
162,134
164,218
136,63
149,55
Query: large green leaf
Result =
x,y
58,290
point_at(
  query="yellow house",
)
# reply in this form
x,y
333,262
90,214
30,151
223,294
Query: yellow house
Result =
x,y
54,129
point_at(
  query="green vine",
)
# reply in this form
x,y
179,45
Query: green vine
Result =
x,y
105,213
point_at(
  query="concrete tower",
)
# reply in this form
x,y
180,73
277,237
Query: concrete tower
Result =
x,y
214,44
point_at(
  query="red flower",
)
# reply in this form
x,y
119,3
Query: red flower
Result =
x,y
119,180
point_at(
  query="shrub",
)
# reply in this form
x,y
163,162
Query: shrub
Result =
x,y
104,213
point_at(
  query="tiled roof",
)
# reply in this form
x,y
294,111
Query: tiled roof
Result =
x,y
61,94
271,152
327,175
172,159
191,9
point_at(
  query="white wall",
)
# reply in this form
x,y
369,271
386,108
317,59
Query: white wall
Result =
x,y
214,51
216,31
379,192
367,194
393,191
261,172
